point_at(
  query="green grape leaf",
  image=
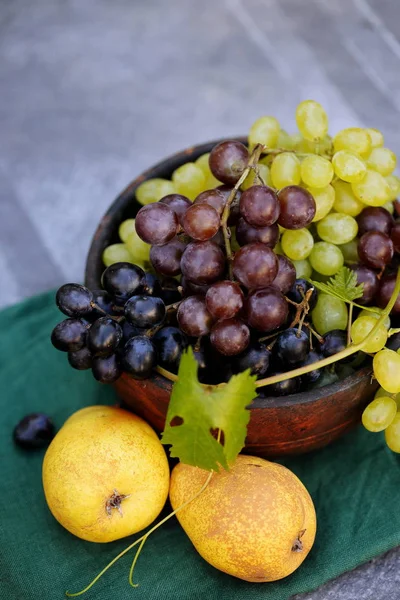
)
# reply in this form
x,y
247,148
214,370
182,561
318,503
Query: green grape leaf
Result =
x,y
198,411
343,285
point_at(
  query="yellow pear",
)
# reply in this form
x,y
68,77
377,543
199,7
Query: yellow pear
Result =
x,y
256,522
105,474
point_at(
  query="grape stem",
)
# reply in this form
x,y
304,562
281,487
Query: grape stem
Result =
x,y
349,323
253,161
113,317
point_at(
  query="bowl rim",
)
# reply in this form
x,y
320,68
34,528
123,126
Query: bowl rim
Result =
x,y
101,238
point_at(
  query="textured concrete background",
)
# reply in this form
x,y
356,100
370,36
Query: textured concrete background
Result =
x,y
93,91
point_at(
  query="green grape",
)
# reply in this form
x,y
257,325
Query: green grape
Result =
x,y
297,244
326,258
375,315
382,160
379,414
348,166
264,131
389,206
315,276
285,170
329,313
153,190
353,139
116,253
392,434
189,180
126,228
311,120
316,171
396,397
324,199
264,173
350,252
386,364
373,190
361,329
394,186
345,200
211,181
278,248
306,147
337,228
285,141
138,249
303,268
376,137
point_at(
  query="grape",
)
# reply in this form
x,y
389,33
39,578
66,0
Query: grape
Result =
x,y
193,316
286,275
144,311
266,309
324,199
166,259
374,218
139,357
255,266
386,364
214,198
392,434
81,359
285,170
316,171
395,237
201,222
151,286
122,280
382,160
193,289
375,249
362,327
224,299
255,357
154,189
116,253
285,140
228,160
106,369
138,249
230,337
376,137
189,180
350,251
178,203
329,313
385,292
394,186
104,301
354,139
393,342
282,388
203,163
315,374
379,414
259,205
169,291
337,228
234,213
299,290
390,207
104,336
170,343
369,279
334,341
345,201
376,316
326,258
34,431
126,228
74,300
69,335
297,207
348,166
129,331
373,190
251,179
246,234
264,131
203,262
156,224
311,120
303,268
292,346
297,244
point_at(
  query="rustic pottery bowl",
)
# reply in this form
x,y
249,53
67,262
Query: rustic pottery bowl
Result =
x,y
278,425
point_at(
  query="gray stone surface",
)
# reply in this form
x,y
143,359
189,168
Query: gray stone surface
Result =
x,y
93,91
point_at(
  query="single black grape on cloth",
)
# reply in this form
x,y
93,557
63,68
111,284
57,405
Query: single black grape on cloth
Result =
x,y
34,431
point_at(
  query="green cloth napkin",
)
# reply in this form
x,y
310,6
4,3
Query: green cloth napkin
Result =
x,y
354,483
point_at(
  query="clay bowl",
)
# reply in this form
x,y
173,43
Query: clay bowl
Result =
x,y
278,426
